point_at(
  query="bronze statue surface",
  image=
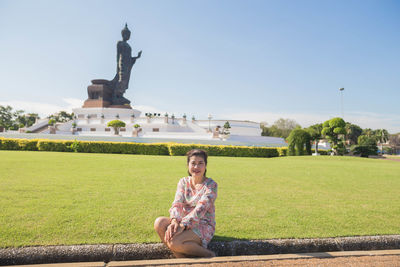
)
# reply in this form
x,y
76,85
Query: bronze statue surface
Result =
x,y
104,93
125,62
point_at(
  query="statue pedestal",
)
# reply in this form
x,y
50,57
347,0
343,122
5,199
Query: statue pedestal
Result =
x,y
96,103
100,96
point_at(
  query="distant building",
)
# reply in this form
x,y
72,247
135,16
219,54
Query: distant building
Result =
x,y
155,126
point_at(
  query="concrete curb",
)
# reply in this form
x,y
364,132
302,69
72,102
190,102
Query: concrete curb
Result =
x,y
245,260
126,252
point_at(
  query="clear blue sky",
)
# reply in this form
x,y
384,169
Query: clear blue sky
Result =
x,y
254,60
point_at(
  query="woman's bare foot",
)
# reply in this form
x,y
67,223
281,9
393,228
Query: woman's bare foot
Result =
x,y
212,254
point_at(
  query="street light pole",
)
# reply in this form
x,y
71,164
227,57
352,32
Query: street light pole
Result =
x,y
341,100
209,122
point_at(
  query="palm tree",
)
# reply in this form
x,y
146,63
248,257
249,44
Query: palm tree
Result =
x,y
368,132
352,133
382,136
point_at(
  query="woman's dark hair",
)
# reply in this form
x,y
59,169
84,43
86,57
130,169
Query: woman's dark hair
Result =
x,y
197,153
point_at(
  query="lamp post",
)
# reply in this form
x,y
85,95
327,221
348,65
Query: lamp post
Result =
x,y
209,122
341,100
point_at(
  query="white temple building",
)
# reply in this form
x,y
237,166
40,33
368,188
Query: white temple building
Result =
x,y
155,127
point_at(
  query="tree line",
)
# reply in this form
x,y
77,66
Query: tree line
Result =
x,y
14,119
344,137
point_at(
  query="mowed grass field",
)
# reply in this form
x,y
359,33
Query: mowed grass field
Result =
x,y
51,198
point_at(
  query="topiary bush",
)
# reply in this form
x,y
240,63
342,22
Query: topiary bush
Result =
x,y
52,122
116,124
298,139
333,129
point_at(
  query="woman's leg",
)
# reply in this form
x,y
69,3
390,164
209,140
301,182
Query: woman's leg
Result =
x,y
189,243
160,225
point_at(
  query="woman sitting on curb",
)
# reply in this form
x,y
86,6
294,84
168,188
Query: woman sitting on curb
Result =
x,y
191,225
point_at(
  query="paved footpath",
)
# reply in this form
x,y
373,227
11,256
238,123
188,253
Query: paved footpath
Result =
x,y
374,258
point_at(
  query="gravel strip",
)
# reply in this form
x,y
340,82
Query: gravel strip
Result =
x,y
124,252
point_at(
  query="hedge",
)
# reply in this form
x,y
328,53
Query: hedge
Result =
x,y
230,151
18,144
83,146
171,149
122,148
54,145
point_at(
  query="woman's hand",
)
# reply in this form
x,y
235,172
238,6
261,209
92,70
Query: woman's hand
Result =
x,y
173,229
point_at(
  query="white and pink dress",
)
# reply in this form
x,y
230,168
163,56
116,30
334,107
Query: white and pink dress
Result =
x,y
195,209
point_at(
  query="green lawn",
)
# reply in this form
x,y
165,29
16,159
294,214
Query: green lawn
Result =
x,y
392,156
51,198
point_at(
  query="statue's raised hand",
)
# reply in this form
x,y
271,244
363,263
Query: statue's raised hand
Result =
x,y
139,54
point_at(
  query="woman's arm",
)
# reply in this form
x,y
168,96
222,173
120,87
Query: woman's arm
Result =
x,y
205,202
176,210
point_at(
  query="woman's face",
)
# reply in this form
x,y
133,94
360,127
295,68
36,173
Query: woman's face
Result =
x,y
197,166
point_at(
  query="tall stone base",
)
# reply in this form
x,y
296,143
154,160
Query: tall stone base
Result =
x,y
100,96
96,103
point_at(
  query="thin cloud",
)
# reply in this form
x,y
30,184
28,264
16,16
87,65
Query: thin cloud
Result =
x,y
43,109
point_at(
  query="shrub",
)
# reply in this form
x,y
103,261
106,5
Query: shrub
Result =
x,y
366,146
116,124
333,129
9,144
74,146
52,122
282,151
298,138
54,145
227,126
28,144
364,150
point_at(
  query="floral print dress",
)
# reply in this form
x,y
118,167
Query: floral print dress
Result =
x,y
195,209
